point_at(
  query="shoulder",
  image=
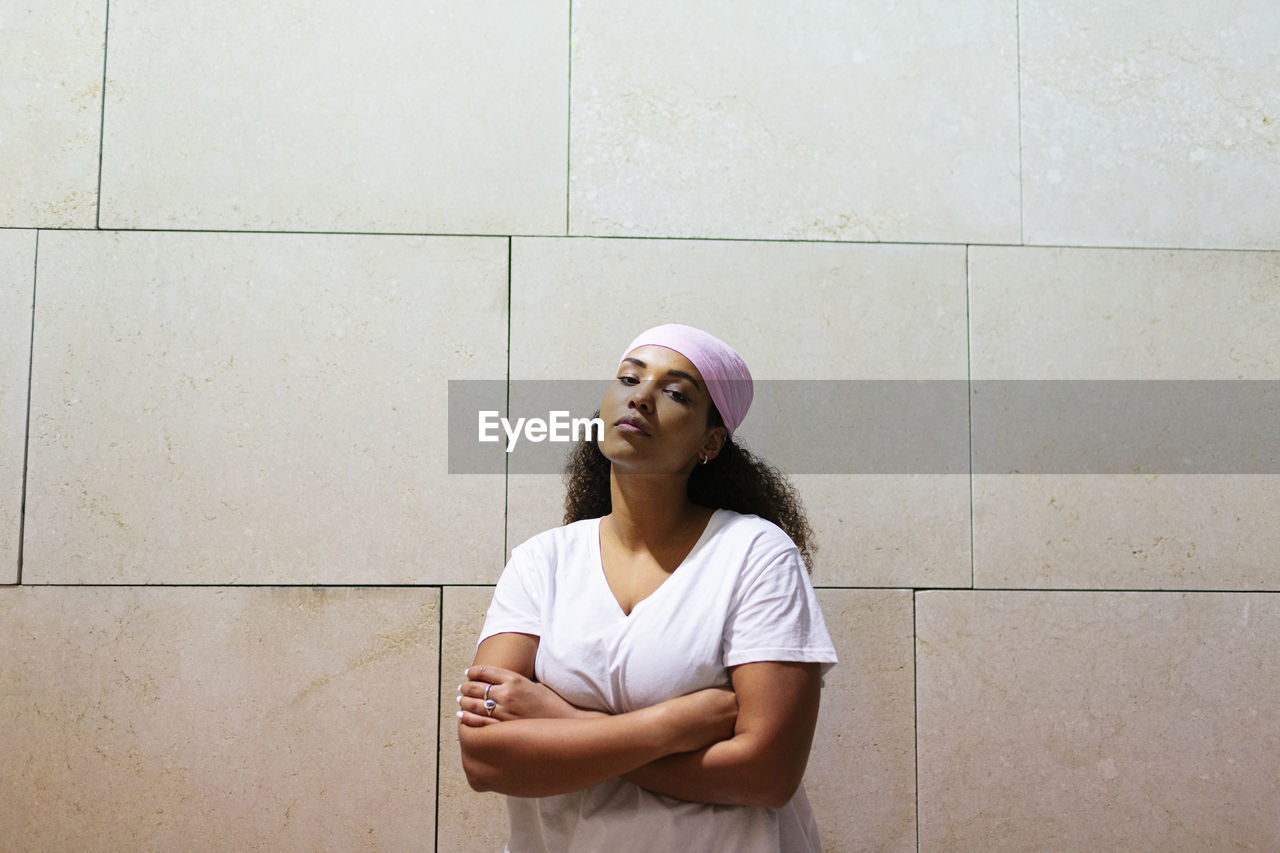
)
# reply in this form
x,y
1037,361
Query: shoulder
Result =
x,y
561,539
751,542
537,562
751,529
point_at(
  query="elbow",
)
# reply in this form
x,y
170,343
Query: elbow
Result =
x,y
773,802
480,775
476,777
774,795
772,787
766,778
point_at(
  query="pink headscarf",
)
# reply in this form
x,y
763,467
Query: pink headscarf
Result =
x,y
724,371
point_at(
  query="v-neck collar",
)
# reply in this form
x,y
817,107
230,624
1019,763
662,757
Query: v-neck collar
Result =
x,y
603,580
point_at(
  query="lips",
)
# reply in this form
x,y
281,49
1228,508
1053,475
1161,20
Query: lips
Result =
x,y
631,424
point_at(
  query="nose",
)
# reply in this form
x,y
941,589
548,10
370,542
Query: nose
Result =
x,y
641,398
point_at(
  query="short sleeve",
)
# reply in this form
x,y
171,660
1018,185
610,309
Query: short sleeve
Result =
x,y
775,615
517,599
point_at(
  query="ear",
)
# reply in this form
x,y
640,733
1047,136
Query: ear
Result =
x,y
714,442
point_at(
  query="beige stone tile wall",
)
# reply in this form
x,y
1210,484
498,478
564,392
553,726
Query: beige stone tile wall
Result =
x,y
154,718
17,289
1111,314
1097,721
893,122
1149,126
467,820
414,117
238,583
248,408
51,112
861,776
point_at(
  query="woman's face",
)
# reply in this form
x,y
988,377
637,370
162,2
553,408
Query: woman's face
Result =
x,y
655,414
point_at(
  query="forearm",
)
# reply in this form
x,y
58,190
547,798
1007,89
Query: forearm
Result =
x,y
543,757
730,772
763,763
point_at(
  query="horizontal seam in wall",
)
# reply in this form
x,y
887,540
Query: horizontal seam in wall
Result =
x,y
956,243
444,586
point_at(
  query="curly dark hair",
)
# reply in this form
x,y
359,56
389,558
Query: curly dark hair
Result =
x,y
736,479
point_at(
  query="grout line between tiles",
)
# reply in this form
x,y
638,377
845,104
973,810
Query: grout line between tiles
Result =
x,y
442,586
1104,590
506,460
675,238
915,711
1058,589
102,117
1017,28
26,435
568,133
968,359
439,709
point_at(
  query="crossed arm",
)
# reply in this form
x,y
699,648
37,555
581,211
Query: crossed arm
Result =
x,y
748,746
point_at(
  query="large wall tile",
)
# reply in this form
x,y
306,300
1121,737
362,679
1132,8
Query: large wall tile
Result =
x,y
1150,124
1091,314
794,310
861,778
1082,531
866,722
1116,314
17,283
889,529
869,312
201,719
535,502
50,112
404,117
259,408
891,122
468,821
1097,721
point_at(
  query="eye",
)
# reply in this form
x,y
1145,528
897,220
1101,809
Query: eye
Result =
x,y
677,396
628,379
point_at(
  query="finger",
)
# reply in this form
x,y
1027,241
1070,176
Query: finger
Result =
x,y
479,689
476,706
467,718
487,673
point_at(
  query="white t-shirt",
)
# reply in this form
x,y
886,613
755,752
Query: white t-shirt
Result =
x,y
741,595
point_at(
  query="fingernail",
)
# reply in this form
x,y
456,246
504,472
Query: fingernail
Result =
x,y
459,699
459,715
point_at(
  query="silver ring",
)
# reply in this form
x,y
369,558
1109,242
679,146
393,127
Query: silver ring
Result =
x,y
489,705
487,688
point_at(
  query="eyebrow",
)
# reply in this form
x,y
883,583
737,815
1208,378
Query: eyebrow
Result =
x,y
678,373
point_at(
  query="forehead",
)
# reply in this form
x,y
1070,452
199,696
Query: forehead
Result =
x,y
663,360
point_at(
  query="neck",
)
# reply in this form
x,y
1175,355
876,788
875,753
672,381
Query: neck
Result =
x,y
651,508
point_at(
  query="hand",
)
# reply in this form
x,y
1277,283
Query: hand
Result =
x,y
699,719
517,698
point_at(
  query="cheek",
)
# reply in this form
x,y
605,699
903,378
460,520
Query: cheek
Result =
x,y
692,418
687,426
610,397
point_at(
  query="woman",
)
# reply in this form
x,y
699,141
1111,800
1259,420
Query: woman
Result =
x,y
648,675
